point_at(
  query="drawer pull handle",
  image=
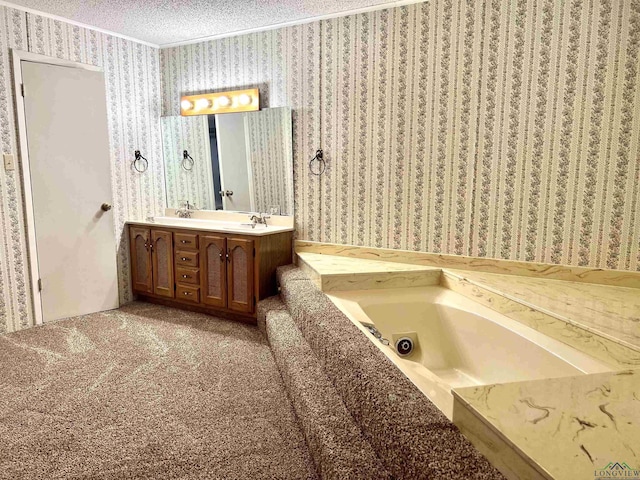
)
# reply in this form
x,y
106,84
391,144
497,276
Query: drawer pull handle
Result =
x,y
188,293
185,259
185,241
186,276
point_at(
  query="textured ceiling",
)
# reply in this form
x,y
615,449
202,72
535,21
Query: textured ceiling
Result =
x,y
163,22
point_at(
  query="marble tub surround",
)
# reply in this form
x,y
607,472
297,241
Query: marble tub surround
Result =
x,y
603,346
609,311
565,427
599,276
598,319
330,272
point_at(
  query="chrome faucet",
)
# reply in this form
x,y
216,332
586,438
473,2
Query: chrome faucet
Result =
x,y
259,218
185,210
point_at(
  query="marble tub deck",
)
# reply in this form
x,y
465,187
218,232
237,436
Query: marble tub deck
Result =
x,y
553,428
566,427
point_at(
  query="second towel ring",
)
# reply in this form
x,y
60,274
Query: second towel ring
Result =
x,y
322,165
139,158
187,161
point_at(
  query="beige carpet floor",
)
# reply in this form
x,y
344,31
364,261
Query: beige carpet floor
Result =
x,y
145,392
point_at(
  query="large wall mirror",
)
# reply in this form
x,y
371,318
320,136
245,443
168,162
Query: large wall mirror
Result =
x,y
233,161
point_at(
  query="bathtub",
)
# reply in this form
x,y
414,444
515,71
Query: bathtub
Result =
x,y
458,342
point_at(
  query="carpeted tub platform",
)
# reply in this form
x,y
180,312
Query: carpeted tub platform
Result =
x,y
335,441
146,392
411,437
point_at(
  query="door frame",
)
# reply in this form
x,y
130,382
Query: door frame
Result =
x,y
19,56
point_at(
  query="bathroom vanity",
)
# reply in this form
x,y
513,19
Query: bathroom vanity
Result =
x,y
217,267
218,260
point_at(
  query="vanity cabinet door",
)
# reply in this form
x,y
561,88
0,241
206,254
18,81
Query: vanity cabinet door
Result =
x,y
240,274
162,254
213,270
140,248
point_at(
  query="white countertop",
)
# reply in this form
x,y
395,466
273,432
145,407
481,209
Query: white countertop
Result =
x,y
219,226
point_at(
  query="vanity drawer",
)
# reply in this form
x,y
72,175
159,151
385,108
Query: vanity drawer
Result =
x,y
188,293
187,258
188,275
186,240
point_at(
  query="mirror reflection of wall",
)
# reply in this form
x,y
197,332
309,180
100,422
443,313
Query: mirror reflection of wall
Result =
x,y
242,161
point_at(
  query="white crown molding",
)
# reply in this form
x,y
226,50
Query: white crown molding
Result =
x,y
3,3
302,21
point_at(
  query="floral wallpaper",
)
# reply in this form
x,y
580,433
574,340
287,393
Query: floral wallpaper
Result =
x,y
132,77
506,129
499,128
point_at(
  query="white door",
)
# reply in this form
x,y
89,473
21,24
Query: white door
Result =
x,y
68,147
232,157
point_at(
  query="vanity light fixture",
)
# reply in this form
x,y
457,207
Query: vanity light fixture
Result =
x,y
202,104
220,102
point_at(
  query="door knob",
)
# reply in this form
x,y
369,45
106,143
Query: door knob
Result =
x,y
106,207
229,193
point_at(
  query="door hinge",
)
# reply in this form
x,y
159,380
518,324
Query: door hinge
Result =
x,y
22,89
39,284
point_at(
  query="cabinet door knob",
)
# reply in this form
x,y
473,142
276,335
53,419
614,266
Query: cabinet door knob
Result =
x,y
186,276
105,207
185,241
185,259
222,255
187,293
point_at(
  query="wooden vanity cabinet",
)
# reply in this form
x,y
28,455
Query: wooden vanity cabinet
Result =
x,y
141,276
206,271
240,255
151,261
162,263
213,270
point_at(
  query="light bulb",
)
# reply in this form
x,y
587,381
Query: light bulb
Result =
x,y
186,105
202,103
244,99
224,101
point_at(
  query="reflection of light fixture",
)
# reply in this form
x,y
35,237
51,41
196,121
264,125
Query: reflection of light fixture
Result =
x,y
202,103
221,102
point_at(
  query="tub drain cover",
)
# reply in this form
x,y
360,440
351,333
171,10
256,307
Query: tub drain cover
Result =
x,y
404,346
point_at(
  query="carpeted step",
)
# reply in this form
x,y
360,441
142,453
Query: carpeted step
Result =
x,y
264,307
336,444
409,434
